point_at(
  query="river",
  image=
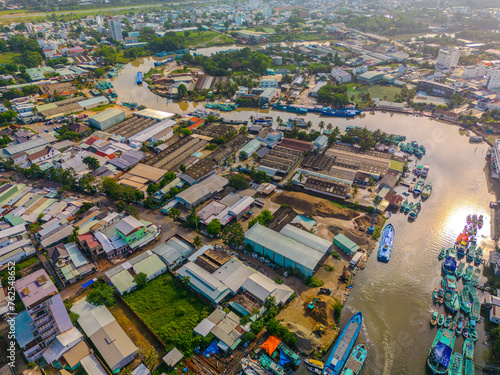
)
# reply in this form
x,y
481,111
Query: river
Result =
x,y
395,297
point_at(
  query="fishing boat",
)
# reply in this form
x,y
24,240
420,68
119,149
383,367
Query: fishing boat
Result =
x,y
451,298
469,270
355,361
343,345
480,222
314,363
270,365
411,187
290,108
459,272
442,253
419,186
340,112
386,242
403,205
435,296
314,370
465,303
415,211
434,318
441,295
427,191
475,309
425,170
139,78
478,259
472,330
468,353
462,247
475,278
263,119
447,321
450,265
440,352
409,207
460,325
441,320
471,252
251,367
456,364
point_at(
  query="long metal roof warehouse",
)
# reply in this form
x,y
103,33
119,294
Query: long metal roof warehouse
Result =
x,y
292,247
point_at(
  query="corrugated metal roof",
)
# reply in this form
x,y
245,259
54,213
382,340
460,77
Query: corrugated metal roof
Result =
x,y
284,246
150,265
306,238
204,282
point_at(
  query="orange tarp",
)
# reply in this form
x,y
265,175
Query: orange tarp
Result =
x,y
271,344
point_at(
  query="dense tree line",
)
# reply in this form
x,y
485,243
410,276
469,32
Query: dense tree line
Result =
x,y
384,25
333,95
220,64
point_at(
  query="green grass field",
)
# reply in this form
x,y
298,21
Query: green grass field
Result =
x,y
207,39
7,57
170,311
384,92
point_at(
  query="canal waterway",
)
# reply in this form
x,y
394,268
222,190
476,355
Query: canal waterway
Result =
x,y
395,297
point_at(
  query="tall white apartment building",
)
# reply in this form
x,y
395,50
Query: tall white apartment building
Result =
x,y
448,58
493,78
115,30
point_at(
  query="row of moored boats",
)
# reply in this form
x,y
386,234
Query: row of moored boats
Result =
x,y
443,358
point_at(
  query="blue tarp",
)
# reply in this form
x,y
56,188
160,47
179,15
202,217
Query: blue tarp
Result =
x,y
212,349
443,354
450,265
283,359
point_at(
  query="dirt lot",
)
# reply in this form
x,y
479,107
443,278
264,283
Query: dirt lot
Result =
x,y
308,204
302,321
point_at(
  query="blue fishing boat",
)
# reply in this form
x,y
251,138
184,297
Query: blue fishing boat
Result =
x,y
386,242
356,360
340,112
441,350
139,78
343,345
290,108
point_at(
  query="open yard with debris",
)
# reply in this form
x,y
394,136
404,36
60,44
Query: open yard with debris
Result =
x,y
170,311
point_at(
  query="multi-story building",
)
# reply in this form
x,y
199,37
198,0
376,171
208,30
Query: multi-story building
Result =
x,y
115,29
448,58
496,159
493,78
475,71
340,75
45,316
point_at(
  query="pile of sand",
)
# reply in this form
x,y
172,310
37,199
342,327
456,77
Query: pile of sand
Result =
x,y
313,205
365,221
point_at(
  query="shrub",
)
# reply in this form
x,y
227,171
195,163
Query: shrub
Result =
x,y
279,280
337,311
313,282
335,255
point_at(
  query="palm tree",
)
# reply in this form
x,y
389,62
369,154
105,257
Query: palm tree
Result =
x,y
251,118
197,242
329,127
321,124
355,191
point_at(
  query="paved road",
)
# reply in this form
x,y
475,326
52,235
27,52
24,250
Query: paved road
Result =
x,y
26,15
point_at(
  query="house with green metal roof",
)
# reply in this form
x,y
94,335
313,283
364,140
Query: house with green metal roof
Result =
x,y
345,244
122,276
